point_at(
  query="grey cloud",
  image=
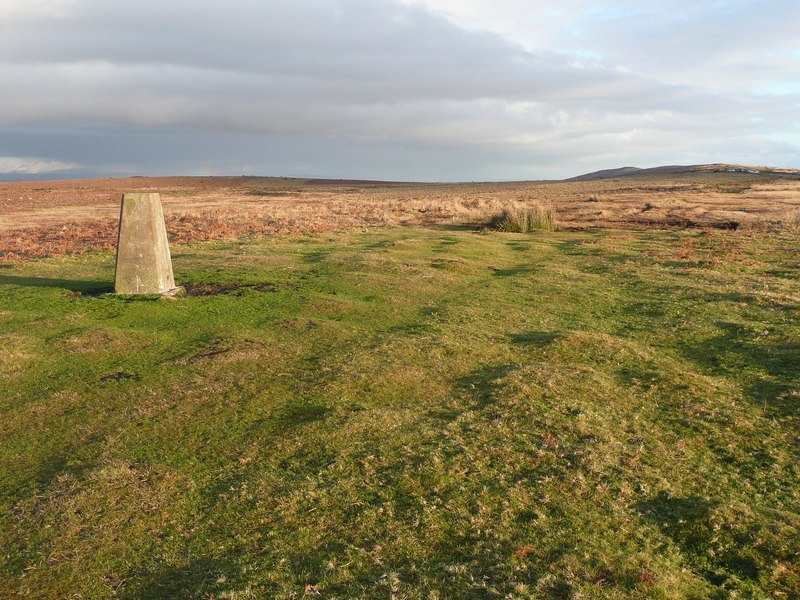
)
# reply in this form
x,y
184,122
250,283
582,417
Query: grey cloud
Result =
x,y
309,52
204,81
119,151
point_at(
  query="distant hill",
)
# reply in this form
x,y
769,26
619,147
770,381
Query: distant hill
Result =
x,y
673,169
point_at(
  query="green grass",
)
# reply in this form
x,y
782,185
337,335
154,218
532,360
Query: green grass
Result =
x,y
407,413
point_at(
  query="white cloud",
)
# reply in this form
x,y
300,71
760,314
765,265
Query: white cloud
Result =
x,y
19,165
32,9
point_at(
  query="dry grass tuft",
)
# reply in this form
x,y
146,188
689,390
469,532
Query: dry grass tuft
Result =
x,y
525,220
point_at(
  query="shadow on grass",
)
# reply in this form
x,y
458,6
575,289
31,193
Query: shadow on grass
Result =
x,y
203,577
300,412
640,376
650,309
483,384
513,271
580,247
317,256
751,300
449,227
687,522
770,369
518,246
96,286
413,329
534,338
380,245
446,244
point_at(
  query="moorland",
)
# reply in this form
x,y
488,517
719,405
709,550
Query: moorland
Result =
x,y
368,393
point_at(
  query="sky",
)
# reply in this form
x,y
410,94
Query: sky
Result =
x,y
422,90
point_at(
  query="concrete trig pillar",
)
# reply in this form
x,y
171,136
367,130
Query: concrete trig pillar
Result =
x,y
144,265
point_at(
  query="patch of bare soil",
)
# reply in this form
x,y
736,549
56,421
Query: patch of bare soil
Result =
x,y
67,217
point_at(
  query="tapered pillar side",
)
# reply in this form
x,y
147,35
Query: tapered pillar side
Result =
x,y
144,264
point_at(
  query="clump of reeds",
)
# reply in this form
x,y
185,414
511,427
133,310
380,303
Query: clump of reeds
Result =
x,y
525,220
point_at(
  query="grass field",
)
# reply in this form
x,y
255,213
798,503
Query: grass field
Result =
x,y
408,413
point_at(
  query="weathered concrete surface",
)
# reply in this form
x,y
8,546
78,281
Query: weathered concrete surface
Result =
x,y
144,265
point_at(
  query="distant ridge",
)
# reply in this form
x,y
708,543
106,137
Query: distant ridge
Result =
x,y
673,169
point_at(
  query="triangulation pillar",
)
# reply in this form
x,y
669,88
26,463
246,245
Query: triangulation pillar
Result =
x,y
144,265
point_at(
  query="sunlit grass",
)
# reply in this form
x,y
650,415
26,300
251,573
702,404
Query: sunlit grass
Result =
x,y
407,413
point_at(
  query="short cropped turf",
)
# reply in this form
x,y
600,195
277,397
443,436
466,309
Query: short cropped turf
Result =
x,y
407,413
